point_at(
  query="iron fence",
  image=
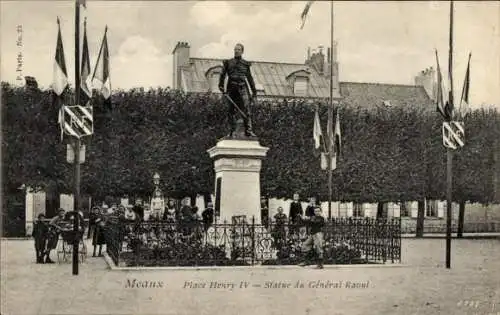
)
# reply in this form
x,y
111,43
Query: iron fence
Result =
x,y
161,243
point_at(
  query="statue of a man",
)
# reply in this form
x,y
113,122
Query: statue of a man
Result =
x,y
237,95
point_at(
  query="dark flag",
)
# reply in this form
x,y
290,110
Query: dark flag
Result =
x,y
101,72
440,98
464,101
85,87
60,80
317,134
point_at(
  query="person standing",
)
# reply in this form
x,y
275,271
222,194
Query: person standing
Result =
x,y
295,213
55,229
139,209
40,232
239,74
310,208
264,212
208,216
279,234
99,238
92,224
295,209
315,239
170,214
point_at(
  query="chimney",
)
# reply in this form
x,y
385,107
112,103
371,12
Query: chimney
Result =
x,y
31,82
181,59
426,79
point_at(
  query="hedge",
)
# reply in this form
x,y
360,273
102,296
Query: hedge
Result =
x,y
391,154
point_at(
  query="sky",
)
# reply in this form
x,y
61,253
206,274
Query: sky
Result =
x,y
381,42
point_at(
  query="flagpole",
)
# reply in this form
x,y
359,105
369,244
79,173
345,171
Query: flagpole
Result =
x,y
449,152
330,118
77,144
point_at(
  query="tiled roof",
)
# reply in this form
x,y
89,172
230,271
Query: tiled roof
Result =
x,y
369,95
272,77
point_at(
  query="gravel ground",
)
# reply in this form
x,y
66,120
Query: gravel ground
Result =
x,y
422,286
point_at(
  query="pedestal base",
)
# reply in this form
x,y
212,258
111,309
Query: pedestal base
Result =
x,y
237,166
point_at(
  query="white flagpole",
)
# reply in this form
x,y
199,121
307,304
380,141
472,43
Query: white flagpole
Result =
x,y
330,118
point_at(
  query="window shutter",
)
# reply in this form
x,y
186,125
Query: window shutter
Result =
x,y
366,210
440,209
396,210
413,208
350,208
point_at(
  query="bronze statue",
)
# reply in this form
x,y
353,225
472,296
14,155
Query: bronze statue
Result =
x,y
237,95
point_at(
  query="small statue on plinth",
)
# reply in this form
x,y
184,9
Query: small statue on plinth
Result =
x,y
238,95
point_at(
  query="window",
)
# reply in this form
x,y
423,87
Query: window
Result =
x,y
212,75
343,209
300,86
431,208
358,210
405,209
213,81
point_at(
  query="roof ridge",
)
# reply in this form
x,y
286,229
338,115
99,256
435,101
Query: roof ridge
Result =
x,y
381,83
258,61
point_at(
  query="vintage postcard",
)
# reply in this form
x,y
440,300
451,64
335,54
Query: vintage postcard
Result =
x,y
250,157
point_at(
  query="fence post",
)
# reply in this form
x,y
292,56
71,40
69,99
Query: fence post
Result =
x,y
252,235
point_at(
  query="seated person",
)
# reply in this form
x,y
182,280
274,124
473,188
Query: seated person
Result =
x,y
56,225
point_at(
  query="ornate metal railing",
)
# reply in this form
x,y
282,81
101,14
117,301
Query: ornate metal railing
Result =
x,y
159,243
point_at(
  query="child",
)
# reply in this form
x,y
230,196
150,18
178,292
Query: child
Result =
x,y
279,228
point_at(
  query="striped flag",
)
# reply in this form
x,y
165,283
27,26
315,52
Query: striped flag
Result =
x,y
60,121
85,87
329,134
334,137
464,100
101,72
317,134
60,80
337,135
440,99
303,16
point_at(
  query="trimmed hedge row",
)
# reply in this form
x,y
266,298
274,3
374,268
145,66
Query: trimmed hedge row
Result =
x,y
391,154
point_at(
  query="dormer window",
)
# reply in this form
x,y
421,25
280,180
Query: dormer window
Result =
x,y
300,86
260,89
299,82
213,75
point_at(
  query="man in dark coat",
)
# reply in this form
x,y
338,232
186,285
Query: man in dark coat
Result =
x,y
139,209
208,216
295,209
264,212
40,234
310,208
238,72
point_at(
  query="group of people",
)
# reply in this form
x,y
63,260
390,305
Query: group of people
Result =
x,y
312,219
185,214
46,233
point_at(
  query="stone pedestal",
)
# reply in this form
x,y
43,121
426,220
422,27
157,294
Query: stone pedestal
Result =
x,y
237,166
